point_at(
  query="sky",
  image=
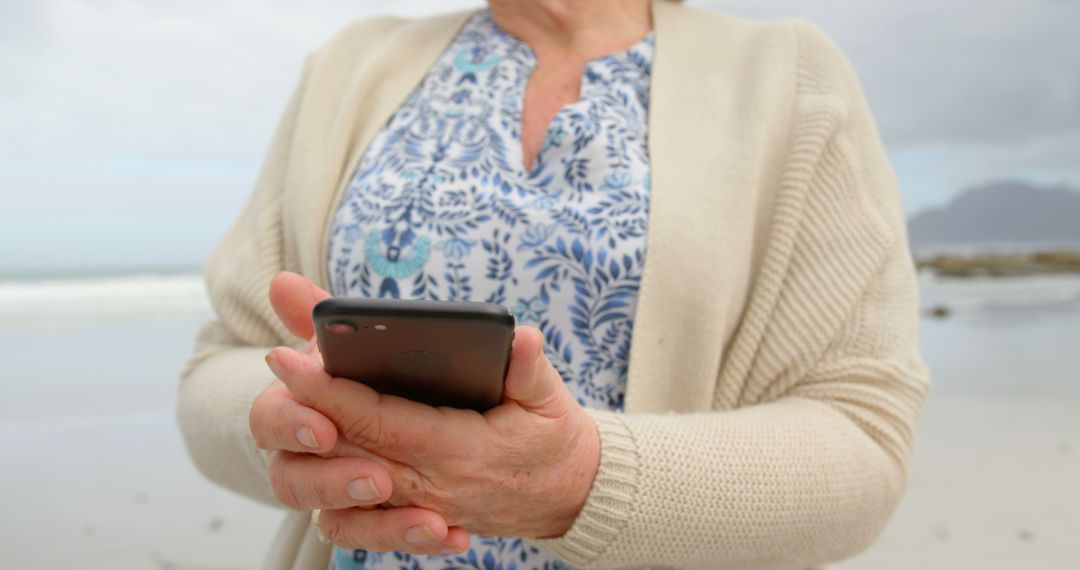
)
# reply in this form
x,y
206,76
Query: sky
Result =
x,y
131,131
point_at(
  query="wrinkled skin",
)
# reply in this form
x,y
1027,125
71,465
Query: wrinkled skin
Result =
x,y
523,468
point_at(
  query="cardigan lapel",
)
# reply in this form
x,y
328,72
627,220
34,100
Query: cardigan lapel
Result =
x,y
693,283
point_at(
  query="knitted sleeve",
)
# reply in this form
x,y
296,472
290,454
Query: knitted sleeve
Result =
x,y
227,369
805,459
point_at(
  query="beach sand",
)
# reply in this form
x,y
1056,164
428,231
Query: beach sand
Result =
x,y
993,485
96,475
95,471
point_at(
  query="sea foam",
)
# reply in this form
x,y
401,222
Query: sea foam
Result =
x,y
110,297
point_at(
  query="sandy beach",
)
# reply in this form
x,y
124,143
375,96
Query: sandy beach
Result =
x,y
96,474
992,486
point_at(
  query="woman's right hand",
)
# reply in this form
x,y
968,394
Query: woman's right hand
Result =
x,y
308,471
295,434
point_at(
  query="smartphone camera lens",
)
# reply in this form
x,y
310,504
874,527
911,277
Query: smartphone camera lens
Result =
x,y
341,327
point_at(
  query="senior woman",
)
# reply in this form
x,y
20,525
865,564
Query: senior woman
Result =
x,y
694,222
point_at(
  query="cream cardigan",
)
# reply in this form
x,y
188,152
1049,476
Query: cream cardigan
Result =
x,y
774,380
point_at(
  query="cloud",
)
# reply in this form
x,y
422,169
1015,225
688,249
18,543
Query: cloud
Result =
x,y
119,116
997,71
162,78
110,108
932,173
981,89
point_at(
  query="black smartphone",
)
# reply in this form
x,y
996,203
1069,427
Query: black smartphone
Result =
x,y
441,353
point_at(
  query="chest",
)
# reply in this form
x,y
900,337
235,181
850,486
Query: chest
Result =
x,y
715,171
550,88
446,204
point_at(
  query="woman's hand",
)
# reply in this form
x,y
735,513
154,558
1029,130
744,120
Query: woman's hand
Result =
x,y
521,469
307,474
292,433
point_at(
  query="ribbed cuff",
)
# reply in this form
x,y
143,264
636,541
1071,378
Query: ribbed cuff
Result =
x,y
611,500
214,402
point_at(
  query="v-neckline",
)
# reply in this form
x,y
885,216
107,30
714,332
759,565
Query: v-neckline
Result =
x,y
681,172
530,61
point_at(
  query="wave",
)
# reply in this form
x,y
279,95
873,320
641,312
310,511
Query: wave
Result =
x,y
928,250
136,295
974,294
180,295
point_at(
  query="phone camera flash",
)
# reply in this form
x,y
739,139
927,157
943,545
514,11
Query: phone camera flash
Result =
x,y
380,327
342,328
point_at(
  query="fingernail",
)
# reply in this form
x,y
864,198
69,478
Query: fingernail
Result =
x,y
540,355
315,523
420,534
271,361
364,490
451,550
307,437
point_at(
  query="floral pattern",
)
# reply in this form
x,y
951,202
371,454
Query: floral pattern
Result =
x,y
442,207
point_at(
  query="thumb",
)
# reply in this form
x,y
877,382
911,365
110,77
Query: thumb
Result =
x,y
531,380
293,297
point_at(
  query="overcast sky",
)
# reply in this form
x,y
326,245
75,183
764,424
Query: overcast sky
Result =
x,y
131,131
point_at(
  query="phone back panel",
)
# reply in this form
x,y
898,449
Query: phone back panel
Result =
x,y
439,353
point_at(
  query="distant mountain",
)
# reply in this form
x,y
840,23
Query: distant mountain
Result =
x,y
1001,212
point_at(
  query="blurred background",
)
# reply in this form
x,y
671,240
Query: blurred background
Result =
x,y
131,133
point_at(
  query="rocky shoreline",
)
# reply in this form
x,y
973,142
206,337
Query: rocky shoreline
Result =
x,y
1001,265
994,265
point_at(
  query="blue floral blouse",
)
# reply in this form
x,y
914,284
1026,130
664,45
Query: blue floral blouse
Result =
x,y
442,207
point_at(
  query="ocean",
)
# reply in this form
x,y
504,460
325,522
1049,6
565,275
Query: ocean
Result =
x,y
96,473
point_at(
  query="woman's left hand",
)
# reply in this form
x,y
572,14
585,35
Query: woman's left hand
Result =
x,y
524,468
